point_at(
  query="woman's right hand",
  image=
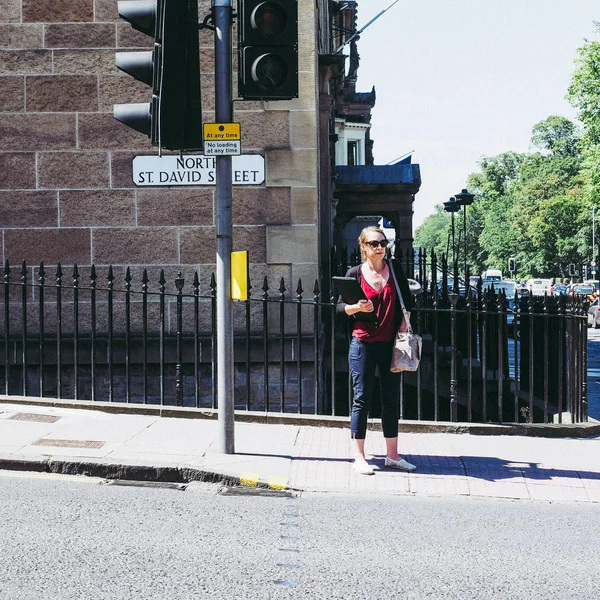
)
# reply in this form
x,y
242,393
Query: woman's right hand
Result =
x,y
360,306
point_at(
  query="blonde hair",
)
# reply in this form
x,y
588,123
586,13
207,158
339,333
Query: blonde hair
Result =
x,y
362,238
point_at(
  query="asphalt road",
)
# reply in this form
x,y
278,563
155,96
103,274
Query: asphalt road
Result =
x,y
78,538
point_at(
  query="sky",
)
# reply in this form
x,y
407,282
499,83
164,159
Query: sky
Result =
x,y
457,80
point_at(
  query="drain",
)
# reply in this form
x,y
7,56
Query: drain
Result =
x,y
68,443
36,417
255,491
147,484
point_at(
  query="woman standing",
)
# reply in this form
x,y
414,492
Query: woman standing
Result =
x,y
372,345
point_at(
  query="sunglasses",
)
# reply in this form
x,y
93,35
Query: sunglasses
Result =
x,y
377,243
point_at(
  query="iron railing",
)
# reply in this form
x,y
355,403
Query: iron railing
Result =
x,y
142,337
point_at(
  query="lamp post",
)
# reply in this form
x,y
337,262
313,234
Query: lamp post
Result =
x,y
465,199
452,206
593,262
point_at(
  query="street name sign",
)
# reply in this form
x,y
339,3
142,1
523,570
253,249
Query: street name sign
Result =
x,y
195,169
222,139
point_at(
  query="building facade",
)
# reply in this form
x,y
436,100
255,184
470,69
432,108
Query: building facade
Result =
x,y
66,188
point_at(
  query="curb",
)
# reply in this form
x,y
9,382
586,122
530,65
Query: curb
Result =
x,y
141,473
548,430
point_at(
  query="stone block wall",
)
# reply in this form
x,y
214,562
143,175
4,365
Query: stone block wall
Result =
x,y
66,191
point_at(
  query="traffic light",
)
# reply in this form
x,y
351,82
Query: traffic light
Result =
x,y
268,49
173,118
571,270
512,265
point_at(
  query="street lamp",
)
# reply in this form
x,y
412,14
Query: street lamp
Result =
x,y
465,199
452,206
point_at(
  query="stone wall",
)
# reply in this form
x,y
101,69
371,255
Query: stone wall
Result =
x,y
66,191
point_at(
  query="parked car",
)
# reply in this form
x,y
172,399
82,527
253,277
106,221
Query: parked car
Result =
x,y
583,289
522,291
559,288
594,314
461,287
493,275
509,288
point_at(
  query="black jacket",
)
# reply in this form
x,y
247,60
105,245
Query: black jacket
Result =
x,y
402,282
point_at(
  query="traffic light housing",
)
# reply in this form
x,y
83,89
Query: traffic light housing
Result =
x,y
571,270
268,49
512,265
173,117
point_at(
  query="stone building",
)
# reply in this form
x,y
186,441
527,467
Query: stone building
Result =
x,y
66,164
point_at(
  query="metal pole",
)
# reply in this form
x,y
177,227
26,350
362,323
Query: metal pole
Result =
x,y
224,114
454,260
465,242
594,238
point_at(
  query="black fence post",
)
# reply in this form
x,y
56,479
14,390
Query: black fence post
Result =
x,y
453,376
299,291
179,283
59,380
25,386
109,347
128,335
265,300
162,282
76,331
247,307
41,280
145,281
282,290
316,298
93,330
6,327
197,346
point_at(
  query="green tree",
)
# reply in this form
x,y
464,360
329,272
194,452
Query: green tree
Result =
x,y
584,91
584,95
558,135
433,233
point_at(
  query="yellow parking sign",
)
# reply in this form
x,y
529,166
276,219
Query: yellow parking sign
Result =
x,y
222,132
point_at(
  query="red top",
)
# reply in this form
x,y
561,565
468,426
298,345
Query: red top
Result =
x,y
384,303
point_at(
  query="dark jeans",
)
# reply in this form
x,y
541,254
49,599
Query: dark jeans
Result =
x,y
363,359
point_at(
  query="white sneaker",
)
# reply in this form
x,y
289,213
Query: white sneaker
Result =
x,y
401,464
361,466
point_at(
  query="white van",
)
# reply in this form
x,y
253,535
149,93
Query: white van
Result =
x,y
492,275
539,287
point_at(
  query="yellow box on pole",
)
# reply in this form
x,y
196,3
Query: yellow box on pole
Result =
x,y
222,131
239,275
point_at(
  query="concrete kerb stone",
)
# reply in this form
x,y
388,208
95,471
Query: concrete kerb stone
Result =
x,y
550,430
119,471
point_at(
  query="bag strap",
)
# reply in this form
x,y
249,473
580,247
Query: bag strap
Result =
x,y
404,311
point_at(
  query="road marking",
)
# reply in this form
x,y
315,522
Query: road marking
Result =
x,y
249,479
277,483
54,476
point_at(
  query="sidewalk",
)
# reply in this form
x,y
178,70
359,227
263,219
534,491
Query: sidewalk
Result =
x,y
41,437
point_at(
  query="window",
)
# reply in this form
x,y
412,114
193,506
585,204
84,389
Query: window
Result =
x,y
353,158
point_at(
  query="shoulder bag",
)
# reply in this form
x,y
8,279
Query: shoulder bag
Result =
x,y
407,345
